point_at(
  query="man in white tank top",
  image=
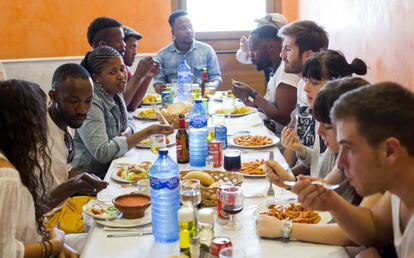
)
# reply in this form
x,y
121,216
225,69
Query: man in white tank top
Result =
x,y
375,126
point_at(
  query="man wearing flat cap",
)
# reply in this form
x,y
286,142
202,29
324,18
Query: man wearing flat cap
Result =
x,y
131,38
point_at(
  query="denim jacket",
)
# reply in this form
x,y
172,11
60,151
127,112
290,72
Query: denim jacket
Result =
x,y
98,141
199,56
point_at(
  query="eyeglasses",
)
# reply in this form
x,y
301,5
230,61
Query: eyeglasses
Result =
x,y
69,146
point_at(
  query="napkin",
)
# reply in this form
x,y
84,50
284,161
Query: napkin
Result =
x,y
251,120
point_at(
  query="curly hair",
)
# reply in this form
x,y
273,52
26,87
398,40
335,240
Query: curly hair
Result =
x,y
23,137
99,24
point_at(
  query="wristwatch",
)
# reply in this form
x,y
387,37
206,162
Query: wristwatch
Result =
x,y
286,228
252,96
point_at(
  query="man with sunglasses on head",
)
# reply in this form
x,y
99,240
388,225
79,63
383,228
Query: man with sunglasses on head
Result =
x,y
71,96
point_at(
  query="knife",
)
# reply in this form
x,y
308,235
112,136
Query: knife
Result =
x,y
141,233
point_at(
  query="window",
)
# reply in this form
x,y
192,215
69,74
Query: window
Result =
x,y
225,15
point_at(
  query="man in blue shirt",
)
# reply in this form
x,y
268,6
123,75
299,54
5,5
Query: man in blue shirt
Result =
x,y
197,54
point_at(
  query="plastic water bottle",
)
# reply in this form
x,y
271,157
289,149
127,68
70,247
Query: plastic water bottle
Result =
x,y
165,198
198,135
185,80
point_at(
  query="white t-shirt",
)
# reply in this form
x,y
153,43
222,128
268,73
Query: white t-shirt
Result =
x,y
58,154
404,242
280,77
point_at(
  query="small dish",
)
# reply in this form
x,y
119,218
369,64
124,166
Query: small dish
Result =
x,y
101,210
132,205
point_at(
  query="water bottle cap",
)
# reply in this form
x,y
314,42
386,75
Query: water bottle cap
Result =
x,y
198,101
163,151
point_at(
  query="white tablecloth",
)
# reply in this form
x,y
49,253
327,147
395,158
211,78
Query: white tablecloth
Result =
x,y
98,245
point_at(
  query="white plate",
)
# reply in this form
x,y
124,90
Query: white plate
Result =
x,y
104,216
274,138
136,115
150,103
326,217
127,223
117,178
147,146
252,110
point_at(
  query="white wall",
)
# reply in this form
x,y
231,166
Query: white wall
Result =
x,y
40,70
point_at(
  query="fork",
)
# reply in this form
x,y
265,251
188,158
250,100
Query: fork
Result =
x,y
270,196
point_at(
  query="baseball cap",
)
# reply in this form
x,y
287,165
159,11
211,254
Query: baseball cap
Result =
x,y
129,32
273,19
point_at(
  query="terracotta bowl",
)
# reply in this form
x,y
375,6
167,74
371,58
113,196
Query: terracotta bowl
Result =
x,y
132,205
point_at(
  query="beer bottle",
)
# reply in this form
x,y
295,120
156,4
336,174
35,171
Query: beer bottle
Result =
x,y
181,140
204,81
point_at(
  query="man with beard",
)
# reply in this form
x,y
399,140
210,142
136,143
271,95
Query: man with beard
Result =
x,y
280,98
71,96
197,54
105,31
375,126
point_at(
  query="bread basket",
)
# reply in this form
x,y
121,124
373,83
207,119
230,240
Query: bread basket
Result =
x,y
209,194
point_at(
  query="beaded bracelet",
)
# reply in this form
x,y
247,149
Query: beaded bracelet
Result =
x,y
43,247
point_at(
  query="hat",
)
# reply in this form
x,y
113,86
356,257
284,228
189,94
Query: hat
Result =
x,y
129,32
273,19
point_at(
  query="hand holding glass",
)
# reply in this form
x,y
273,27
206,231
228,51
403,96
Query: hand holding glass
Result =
x,y
157,141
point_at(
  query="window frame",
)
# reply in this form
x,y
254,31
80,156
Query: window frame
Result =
x,y
272,6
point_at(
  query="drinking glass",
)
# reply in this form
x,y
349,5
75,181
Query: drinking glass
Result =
x,y
230,252
232,203
218,119
144,186
190,192
232,160
157,141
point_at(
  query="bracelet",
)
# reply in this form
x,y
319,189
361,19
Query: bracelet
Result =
x,y
51,248
43,249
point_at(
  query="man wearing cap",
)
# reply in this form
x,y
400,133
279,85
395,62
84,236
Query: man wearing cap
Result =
x,y
105,31
131,38
280,99
197,54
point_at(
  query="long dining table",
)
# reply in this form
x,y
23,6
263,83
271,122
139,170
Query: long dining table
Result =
x,y
254,189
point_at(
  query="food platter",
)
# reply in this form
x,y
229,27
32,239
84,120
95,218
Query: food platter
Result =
x,y
150,99
253,141
145,114
127,223
236,111
101,210
252,168
131,173
325,217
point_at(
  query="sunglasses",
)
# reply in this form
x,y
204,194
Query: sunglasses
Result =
x,y
69,146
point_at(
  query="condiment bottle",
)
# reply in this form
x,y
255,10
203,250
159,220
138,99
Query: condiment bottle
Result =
x,y
186,224
206,230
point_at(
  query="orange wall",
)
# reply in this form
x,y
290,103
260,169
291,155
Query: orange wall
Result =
x,y
290,9
50,28
379,32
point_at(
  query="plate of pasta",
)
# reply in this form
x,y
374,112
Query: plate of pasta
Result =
x,y
253,141
295,212
253,168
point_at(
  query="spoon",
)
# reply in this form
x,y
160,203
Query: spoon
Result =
x,y
327,186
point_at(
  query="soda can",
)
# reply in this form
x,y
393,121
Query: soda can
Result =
x,y
166,98
220,133
220,213
217,244
214,149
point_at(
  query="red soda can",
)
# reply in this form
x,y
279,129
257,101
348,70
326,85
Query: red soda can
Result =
x,y
220,213
214,149
217,244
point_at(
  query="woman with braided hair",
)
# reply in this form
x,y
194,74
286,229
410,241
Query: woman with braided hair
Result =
x,y
108,131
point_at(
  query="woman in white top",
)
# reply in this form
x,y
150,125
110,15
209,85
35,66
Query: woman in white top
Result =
x,y
23,141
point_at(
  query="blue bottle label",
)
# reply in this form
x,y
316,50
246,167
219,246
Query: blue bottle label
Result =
x,y
220,133
198,122
158,184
